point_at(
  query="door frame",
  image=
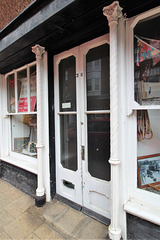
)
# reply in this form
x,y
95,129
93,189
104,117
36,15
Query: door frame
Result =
x,y
81,128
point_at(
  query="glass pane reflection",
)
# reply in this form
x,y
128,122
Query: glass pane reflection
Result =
x,y
24,134
147,62
33,89
11,93
22,91
68,126
97,64
99,145
67,84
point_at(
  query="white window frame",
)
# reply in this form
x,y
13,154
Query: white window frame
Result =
x,y
139,202
131,23
20,160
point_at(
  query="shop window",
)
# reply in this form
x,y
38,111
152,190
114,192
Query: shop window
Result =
x,y
148,150
147,62
147,95
22,107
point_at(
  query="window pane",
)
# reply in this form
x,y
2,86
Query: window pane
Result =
x,y
22,91
67,84
68,134
148,150
24,134
11,93
147,61
99,145
97,77
33,88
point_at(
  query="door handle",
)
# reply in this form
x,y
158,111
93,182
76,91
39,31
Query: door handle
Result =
x,y
82,152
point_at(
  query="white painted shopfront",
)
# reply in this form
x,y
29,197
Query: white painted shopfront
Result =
x,y
105,110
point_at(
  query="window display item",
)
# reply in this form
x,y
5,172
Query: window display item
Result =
x,y
144,130
149,171
147,62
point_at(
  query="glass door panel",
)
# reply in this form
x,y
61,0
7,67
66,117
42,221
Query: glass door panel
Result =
x,y
99,145
67,84
98,99
68,136
68,122
97,77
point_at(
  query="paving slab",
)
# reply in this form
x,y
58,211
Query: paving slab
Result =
x,y
14,193
22,226
19,206
4,235
5,217
37,211
5,186
32,236
47,233
93,230
4,200
21,219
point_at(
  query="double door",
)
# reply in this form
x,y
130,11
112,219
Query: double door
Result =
x,y
82,125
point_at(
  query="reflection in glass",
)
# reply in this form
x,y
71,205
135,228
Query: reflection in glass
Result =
x,y
11,93
24,134
147,61
67,84
33,88
22,91
99,145
68,133
97,77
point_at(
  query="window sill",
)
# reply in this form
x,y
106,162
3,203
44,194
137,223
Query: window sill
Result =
x,y
29,164
144,210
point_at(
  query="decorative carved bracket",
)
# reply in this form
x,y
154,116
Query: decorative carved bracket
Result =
x,y
113,11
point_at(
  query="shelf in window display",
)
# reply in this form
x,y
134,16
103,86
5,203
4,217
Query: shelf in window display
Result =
x,y
31,149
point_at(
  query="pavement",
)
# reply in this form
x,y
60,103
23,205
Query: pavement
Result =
x,y
21,219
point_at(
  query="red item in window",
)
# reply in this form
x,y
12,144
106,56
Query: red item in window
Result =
x,y
22,105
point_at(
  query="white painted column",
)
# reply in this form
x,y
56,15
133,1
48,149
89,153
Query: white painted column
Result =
x,y
113,12
39,51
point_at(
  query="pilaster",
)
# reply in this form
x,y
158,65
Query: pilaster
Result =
x,y
40,193
113,12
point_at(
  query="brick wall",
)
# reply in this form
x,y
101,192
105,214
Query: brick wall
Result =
x,y
9,9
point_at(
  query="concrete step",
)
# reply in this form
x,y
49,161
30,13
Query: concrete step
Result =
x,y
68,222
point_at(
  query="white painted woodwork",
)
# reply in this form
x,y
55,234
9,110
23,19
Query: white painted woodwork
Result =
x,y
139,202
39,51
89,191
113,12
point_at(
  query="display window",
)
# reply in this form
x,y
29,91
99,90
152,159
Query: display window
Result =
x,y
147,61
21,108
147,95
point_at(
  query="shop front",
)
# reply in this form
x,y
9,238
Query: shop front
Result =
x,y
80,110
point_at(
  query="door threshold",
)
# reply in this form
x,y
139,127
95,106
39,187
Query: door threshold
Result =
x,y
84,210
68,202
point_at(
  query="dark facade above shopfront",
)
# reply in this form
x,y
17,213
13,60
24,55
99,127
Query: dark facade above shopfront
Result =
x,y
58,25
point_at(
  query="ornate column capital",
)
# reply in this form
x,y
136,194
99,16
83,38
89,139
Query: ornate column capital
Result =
x,y
38,50
113,12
